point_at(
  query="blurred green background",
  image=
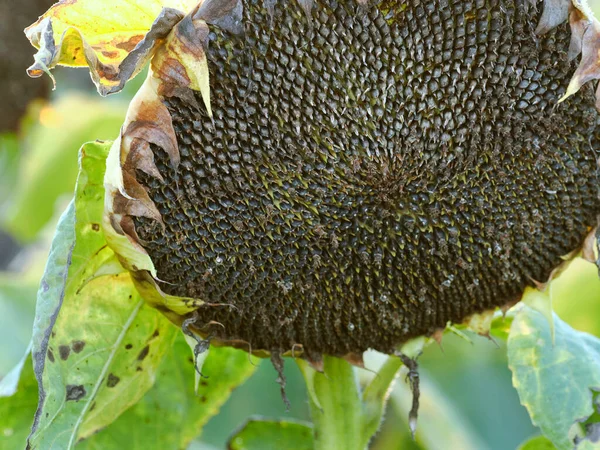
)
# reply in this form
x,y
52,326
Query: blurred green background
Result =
x,y
468,384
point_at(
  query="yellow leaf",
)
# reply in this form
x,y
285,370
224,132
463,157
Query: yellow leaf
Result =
x,y
114,38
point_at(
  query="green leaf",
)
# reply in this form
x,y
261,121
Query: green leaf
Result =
x,y
9,158
440,425
537,443
9,384
96,348
587,445
17,410
50,169
554,382
17,304
501,325
261,434
170,415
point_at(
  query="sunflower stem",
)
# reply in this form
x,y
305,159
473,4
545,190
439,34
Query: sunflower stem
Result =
x,y
345,417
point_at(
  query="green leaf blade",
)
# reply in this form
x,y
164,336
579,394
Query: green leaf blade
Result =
x,y
16,411
537,443
98,346
261,434
554,382
170,415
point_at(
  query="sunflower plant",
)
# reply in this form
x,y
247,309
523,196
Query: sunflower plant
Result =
x,y
222,227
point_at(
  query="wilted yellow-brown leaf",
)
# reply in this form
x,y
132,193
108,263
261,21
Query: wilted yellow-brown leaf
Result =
x,y
114,38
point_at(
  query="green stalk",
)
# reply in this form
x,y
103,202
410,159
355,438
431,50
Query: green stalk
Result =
x,y
344,417
335,405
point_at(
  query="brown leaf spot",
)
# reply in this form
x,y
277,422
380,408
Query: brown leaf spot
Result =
x,y
143,353
112,381
129,44
96,227
50,355
64,351
128,347
110,54
77,346
75,392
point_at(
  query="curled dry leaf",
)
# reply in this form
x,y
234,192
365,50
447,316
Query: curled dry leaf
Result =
x,y
554,13
181,62
113,38
585,38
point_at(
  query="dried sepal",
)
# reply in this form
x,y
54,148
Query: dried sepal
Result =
x,y
131,254
137,203
356,359
585,37
174,308
316,364
438,335
113,38
126,198
224,14
141,157
579,23
480,323
554,13
307,6
151,123
178,66
589,249
52,52
181,61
